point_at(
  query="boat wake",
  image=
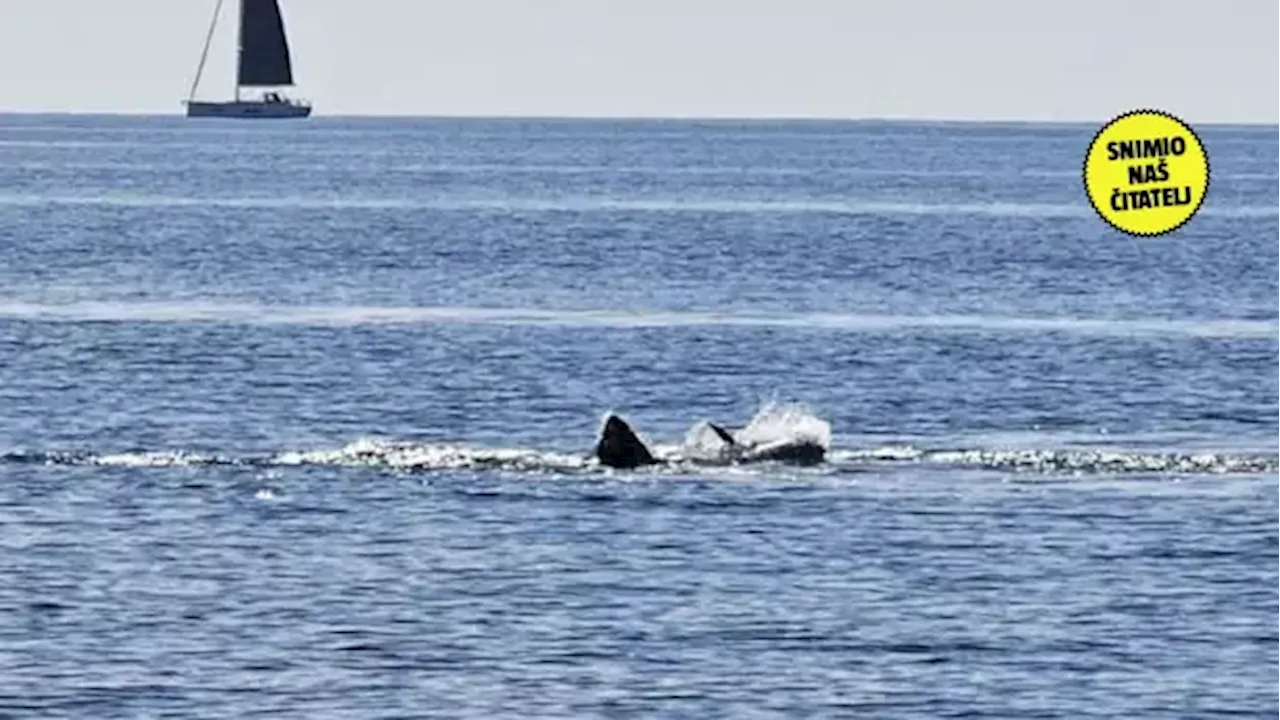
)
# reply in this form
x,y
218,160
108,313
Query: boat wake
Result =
x,y
402,456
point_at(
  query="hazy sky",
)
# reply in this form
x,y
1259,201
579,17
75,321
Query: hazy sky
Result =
x,y
1002,59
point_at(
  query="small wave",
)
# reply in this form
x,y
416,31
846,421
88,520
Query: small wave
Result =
x,y
569,169
558,204
1110,462
607,204
1072,461
137,459
75,143
251,314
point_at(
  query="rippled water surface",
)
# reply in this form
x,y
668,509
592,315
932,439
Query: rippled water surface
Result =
x,y
295,421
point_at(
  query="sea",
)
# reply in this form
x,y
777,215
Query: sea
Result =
x,y
297,421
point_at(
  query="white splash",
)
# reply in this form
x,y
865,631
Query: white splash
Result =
x,y
790,422
416,456
153,459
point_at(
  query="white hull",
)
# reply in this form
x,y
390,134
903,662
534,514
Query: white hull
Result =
x,y
247,109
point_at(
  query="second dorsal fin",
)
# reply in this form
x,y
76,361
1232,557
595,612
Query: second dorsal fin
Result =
x,y
724,434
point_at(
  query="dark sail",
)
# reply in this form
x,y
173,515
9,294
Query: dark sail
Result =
x,y
264,51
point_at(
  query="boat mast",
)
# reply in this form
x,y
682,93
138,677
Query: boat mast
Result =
x,y
204,54
239,46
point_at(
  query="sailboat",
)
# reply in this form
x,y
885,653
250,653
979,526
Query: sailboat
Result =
x,y
263,62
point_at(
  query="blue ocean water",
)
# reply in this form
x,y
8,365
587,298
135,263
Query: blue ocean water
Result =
x,y
294,422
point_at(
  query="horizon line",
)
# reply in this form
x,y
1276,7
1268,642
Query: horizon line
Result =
x,y
903,119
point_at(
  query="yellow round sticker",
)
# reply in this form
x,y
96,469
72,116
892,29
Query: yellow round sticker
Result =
x,y
1146,173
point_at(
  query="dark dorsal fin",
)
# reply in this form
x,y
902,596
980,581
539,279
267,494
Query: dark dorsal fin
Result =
x,y
724,434
620,447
